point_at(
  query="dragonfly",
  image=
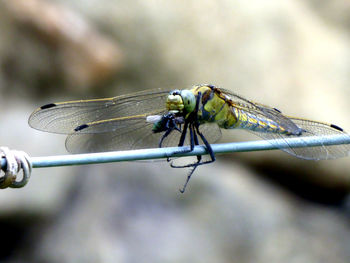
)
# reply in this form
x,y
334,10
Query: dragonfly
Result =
x,y
164,118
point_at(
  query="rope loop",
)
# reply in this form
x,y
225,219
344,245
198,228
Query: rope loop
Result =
x,y
15,162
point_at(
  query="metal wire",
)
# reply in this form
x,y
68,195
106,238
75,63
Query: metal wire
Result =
x,y
158,153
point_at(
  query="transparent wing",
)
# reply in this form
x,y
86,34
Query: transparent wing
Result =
x,y
128,133
111,135
293,125
211,132
312,128
262,111
64,117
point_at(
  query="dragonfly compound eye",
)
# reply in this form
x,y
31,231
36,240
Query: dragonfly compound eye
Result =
x,y
189,100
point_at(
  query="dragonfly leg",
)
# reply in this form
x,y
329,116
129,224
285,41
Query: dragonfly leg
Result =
x,y
199,157
207,145
182,141
187,180
166,134
183,135
194,141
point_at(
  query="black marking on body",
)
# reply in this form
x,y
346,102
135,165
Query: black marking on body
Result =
x,y
81,127
336,127
207,95
48,106
277,110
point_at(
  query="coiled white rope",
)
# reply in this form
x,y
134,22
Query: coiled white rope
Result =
x,y
15,162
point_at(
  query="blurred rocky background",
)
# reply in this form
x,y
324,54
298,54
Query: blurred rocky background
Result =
x,y
246,207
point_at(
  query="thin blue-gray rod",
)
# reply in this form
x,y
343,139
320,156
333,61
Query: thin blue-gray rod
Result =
x,y
158,153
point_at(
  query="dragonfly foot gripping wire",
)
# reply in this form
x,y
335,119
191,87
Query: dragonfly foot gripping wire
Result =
x,y
15,162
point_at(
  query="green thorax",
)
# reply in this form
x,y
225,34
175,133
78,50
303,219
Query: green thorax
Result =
x,y
214,106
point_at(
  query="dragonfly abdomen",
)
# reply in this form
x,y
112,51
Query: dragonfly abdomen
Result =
x,y
252,122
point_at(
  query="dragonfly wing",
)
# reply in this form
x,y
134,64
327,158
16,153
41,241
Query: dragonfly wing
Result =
x,y
112,135
311,128
211,131
294,126
262,112
64,117
127,133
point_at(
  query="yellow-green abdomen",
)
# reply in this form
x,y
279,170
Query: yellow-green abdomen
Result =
x,y
252,122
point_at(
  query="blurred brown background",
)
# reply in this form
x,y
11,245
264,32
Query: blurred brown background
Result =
x,y
246,207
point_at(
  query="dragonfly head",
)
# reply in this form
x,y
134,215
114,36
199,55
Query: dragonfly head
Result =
x,y
180,101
